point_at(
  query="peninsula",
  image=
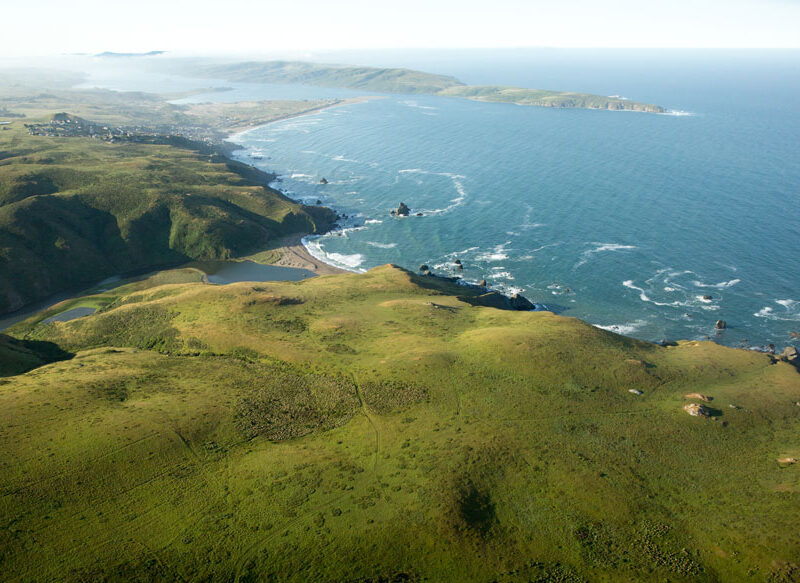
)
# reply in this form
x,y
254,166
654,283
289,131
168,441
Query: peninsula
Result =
x,y
398,80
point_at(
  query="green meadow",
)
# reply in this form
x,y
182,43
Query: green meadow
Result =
x,y
379,427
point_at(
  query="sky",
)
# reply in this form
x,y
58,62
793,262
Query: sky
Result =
x,y
41,27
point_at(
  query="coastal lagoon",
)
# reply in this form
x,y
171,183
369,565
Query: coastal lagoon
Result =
x,y
654,226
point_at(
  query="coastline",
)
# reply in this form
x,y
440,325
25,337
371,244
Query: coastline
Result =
x,y
292,249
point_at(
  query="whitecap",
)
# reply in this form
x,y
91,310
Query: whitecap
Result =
x,y
381,245
642,295
341,158
720,285
347,262
790,312
373,222
350,261
624,329
602,248
500,275
457,184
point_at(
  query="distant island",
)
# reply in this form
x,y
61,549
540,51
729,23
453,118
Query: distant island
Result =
x,y
397,80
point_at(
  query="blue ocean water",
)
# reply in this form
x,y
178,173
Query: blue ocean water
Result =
x,y
626,220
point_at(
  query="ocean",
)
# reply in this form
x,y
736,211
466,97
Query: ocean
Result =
x,y
653,226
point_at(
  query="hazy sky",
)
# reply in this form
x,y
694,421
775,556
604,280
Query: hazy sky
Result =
x,y
55,26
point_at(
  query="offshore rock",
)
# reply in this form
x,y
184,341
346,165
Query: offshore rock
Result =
x,y
402,210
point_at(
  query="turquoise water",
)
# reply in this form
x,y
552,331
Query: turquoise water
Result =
x,y
626,220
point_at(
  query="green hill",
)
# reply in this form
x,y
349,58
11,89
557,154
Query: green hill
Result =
x,y
75,210
376,427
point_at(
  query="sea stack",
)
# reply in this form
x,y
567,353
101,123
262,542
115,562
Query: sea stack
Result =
x,y
323,180
721,325
402,210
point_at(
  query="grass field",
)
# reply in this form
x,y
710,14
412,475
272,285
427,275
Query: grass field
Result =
x,y
374,428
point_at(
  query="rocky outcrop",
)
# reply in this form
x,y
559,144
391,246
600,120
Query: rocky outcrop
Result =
x,y
696,410
520,302
699,397
323,180
402,210
721,325
497,300
790,354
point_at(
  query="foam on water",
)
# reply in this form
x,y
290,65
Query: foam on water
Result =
x,y
601,248
624,329
347,262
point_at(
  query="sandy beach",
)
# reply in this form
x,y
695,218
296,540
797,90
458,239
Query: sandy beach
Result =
x,y
294,254
237,129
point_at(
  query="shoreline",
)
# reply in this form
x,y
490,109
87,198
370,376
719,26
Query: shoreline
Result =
x,y
292,249
235,131
295,254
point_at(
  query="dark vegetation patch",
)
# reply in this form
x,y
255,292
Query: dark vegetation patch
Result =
x,y
19,356
387,396
784,572
656,541
282,405
117,390
469,503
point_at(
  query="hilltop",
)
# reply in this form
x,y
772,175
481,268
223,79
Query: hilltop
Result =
x,y
378,427
397,80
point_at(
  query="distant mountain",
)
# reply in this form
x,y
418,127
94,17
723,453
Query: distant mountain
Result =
x,y
348,77
113,54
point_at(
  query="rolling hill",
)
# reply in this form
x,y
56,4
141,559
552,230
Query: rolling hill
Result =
x,y
379,427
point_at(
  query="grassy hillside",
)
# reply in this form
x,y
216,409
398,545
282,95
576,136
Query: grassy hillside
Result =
x,y
377,428
76,210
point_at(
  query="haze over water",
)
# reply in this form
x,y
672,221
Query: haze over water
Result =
x,y
623,219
